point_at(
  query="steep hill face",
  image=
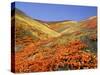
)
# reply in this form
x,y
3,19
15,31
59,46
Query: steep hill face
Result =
x,y
34,27
89,26
90,23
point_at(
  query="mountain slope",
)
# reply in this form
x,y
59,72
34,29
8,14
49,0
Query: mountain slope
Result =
x,y
61,25
37,29
90,23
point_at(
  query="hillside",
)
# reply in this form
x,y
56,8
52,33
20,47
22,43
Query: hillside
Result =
x,y
42,46
35,27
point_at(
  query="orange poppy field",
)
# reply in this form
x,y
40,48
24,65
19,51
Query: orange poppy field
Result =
x,y
42,46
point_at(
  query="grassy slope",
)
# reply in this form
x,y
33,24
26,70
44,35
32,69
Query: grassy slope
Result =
x,y
76,30
64,31
40,28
